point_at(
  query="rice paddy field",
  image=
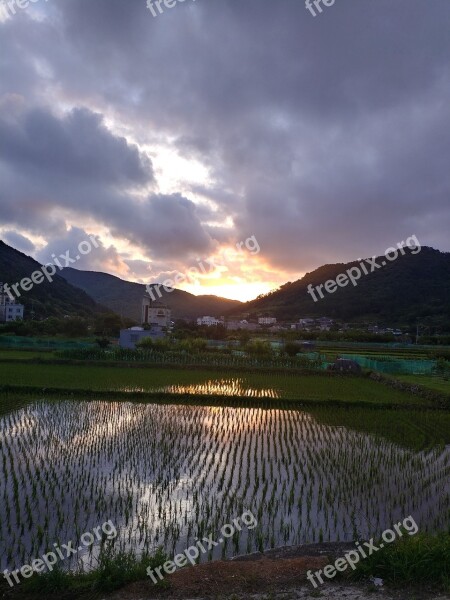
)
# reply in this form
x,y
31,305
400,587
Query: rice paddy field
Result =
x,y
162,454
437,384
167,474
24,355
375,351
281,386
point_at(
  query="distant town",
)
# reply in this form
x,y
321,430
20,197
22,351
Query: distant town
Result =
x,y
157,323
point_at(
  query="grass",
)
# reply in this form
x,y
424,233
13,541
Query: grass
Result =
x,y
24,354
12,402
114,571
411,352
436,384
416,560
421,559
312,388
416,430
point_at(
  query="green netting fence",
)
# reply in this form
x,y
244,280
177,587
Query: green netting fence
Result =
x,y
237,359
20,342
394,366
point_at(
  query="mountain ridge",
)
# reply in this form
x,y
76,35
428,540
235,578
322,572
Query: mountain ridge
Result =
x,y
125,297
56,299
411,287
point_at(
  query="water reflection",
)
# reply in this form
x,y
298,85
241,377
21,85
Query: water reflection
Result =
x,y
213,387
165,474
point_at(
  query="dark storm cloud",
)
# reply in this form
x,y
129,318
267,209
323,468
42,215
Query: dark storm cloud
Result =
x,y
78,146
172,224
18,241
99,257
75,163
325,137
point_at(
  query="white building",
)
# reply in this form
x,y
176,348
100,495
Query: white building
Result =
x,y
325,323
9,310
267,321
244,325
305,323
155,313
208,321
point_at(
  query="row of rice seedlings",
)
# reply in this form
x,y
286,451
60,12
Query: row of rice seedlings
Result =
x,y
170,474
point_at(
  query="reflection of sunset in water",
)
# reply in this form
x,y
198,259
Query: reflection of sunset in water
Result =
x,y
167,473
214,387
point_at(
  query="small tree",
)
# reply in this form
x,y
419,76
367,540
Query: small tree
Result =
x,y
292,348
244,337
145,344
103,343
108,324
199,345
75,327
443,368
162,345
259,349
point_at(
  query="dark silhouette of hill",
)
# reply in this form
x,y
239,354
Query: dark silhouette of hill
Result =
x,y
125,297
410,288
415,286
56,299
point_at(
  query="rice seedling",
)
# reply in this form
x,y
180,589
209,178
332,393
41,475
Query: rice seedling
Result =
x,y
168,474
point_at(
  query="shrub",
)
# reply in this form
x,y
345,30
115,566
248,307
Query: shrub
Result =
x,y
102,343
443,368
259,349
292,348
145,343
51,583
416,560
116,569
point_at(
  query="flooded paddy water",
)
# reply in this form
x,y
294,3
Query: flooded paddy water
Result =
x,y
214,387
166,474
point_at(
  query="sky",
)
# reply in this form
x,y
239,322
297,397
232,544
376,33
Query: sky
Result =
x,y
173,139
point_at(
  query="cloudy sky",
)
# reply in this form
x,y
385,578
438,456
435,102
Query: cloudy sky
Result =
x,y
173,138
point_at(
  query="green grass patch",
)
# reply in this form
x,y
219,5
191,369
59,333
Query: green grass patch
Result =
x,y
417,430
25,354
312,388
115,569
421,559
436,384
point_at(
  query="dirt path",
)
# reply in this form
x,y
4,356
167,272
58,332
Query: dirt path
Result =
x,y
276,575
329,592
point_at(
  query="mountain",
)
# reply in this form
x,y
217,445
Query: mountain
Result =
x,y
56,299
411,287
125,297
